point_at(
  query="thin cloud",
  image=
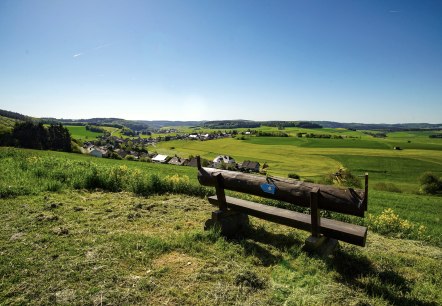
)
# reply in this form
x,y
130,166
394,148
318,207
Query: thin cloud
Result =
x,y
94,48
102,46
393,11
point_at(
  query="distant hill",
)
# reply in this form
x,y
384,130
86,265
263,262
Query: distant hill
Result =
x,y
234,124
219,124
13,115
8,120
380,126
118,122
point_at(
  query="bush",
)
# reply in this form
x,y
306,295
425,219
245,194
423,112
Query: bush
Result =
x,y
294,176
343,177
430,183
129,157
390,224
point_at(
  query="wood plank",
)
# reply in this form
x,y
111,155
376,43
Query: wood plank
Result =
x,y
343,200
347,232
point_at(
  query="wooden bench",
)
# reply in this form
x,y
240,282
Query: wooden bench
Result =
x,y
315,196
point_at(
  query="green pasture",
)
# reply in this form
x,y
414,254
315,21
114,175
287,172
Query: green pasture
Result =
x,y
314,158
281,159
401,171
319,143
112,130
80,133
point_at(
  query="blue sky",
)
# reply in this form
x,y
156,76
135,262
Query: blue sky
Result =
x,y
347,61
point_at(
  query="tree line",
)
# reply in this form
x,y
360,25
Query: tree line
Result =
x,y
32,135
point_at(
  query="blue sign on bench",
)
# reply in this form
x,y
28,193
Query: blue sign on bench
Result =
x,y
268,188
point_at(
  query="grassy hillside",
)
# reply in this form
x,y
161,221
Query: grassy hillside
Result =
x,y
6,124
81,230
30,172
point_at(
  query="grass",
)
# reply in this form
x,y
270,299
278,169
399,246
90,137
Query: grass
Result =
x,y
402,171
291,154
319,143
27,172
30,172
80,247
6,124
81,230
80,133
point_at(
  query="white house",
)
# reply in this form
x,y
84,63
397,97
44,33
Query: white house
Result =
x,y
160,159
97,152
223,159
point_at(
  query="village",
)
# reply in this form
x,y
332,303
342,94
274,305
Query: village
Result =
x,y
135,149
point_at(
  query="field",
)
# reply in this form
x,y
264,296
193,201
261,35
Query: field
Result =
x,y
80,133
312,158
81,230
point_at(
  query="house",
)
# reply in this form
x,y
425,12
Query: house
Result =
x,y
193,137
250,166
121,153
193,163
177,161
160,159
98,152
226,159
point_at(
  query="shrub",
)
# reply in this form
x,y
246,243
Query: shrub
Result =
x,y
129,157
343,177
389,223
430,183
294,176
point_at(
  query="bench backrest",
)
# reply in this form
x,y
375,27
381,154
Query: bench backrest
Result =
x,y
343,200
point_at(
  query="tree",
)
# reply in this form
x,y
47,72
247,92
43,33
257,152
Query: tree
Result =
x,y
59,138
430,183
30,135
35,136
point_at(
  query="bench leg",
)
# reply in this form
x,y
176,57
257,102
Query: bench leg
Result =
x,y
230,223
321,245
318,243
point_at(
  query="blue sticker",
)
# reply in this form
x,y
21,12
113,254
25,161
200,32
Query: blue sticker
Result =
x,y
268,188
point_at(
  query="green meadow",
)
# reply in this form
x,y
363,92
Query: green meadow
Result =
x,y
80,133
312,158
81,230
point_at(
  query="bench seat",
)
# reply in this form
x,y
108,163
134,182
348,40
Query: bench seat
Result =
x,y
351,233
